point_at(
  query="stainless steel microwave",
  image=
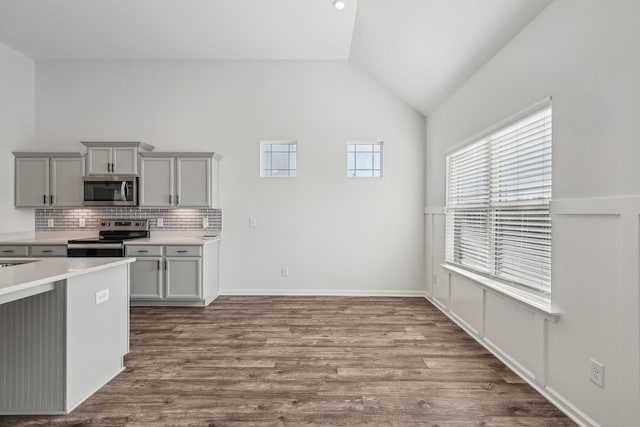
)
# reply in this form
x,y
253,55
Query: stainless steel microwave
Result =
x,y
108,190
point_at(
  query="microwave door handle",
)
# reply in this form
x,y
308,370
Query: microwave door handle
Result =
x,y
123,191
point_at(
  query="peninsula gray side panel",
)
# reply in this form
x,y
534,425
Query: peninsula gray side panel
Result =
x,y
31,353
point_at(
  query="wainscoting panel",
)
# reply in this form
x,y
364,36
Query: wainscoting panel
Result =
x,y
596,290
515,338
467,302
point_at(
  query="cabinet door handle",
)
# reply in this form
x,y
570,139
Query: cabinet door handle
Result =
x,y
108,167
158,264
165,264
51,199
182,252
44,199
8,251
113,167
142,252
177,199
169,198
47,251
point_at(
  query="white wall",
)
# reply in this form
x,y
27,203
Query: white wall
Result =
x,y
585,55
16,130
336,235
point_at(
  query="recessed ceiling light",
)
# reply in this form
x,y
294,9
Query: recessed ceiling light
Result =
x,y
338,4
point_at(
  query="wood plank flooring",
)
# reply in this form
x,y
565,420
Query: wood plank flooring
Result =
x,y
312,361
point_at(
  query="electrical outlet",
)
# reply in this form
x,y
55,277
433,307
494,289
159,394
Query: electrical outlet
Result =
x,y
82,223
102,296
160,222
252,221
596,372
285,271
50,222
205,222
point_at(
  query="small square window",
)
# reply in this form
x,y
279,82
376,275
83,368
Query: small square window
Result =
x,y
278,158
364,160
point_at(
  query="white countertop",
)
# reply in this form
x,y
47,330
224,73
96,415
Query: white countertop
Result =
x,y
44,237
174,238
61,237
21,278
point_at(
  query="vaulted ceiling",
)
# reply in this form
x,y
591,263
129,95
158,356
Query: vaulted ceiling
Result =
x,y
420,49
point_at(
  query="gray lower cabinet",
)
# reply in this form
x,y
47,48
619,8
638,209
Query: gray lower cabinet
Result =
x,y
37,251
173,275
145,278
184,278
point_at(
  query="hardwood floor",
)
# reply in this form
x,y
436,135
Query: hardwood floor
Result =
x,y
291,361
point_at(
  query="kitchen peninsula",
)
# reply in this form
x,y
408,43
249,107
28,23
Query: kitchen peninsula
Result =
x,y
64,330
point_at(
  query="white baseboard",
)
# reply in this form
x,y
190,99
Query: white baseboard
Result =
x,y
323,292
547,392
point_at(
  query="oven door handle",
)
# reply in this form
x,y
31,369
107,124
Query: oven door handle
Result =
x,y
96,246
123,191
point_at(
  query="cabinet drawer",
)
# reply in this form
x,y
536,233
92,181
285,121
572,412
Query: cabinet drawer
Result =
x,y
139,250
184,250
44,251
11,251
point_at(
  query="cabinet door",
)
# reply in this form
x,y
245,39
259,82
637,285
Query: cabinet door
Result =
x,y
125,160
145,278
156,181
184,278
193,182
66,182
99,160
32,182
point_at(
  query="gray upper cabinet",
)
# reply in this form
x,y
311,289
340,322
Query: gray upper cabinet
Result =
x,y
32,182
183,180
48,180
114,158
157,186
193,181
66,181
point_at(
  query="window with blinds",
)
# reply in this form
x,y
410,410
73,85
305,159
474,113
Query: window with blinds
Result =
x,y
498,195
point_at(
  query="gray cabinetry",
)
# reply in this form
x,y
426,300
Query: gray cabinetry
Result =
x,y
48,250
32,182
114,158
48,180
66,182
193,181
184,278
146,278
10,251
157,181
38,251
185,275
185,180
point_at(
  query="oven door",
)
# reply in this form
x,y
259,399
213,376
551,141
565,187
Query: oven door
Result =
x,y
110,190
95,250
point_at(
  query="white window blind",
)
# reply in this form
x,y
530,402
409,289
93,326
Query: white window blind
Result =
x,y
498,194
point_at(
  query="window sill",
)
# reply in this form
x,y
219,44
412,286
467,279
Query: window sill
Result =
x,y
530,300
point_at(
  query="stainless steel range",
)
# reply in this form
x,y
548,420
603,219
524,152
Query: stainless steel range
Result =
x,y
110,240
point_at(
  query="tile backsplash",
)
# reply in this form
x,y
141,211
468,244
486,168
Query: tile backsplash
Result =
x,y
174,219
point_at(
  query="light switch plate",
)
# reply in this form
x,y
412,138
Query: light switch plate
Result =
x,y
82,222
160,222
205,222
50,222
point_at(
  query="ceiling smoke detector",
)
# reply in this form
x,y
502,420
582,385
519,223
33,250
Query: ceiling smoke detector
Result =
x,y
338,4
